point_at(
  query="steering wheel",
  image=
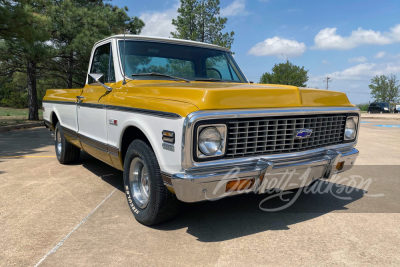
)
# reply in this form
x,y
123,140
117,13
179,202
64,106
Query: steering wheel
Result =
x,y
217,71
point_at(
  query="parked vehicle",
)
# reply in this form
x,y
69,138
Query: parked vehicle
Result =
x,y
397,109
183,123
379,107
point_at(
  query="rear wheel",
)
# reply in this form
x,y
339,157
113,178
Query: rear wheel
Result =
x,y
148,198
65,151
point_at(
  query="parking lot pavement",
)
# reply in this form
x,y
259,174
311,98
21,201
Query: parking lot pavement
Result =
x,y
77,215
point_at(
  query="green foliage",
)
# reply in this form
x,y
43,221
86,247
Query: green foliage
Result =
x,y
363,106
49,42
287,74
385,88
199,20
13,91
77,25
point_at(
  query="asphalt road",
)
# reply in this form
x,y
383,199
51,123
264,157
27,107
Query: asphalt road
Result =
x,y
77,215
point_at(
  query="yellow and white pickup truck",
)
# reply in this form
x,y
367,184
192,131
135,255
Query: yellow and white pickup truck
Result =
x,y
182,122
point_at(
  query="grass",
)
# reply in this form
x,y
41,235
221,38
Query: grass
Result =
x,y
12,116
20,112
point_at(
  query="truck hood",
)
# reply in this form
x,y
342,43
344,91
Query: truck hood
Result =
x,y
213,95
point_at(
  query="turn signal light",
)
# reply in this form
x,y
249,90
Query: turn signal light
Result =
x,y
339,166
238,185
168,136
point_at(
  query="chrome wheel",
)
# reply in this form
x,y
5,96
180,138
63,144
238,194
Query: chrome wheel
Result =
x,y
139,182
58,142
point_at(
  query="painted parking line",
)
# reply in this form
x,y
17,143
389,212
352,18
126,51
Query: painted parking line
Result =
x,y
365,122
54,249
388,125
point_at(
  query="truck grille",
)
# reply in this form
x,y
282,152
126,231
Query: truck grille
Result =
x,y
276,135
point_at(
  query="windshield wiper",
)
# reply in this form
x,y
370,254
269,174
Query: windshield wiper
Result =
x,y
210,80
161,75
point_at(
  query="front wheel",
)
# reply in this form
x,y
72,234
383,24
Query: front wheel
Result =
x,y
148,198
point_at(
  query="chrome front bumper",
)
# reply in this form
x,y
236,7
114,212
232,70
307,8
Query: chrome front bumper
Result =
x,y
210,183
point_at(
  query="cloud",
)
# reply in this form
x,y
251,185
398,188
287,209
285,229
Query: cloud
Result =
x,y
360,73
354,81
380,54
159,23
328,39
237,7
278,47
325,61
357,60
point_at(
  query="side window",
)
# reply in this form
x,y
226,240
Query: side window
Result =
x,y
103,63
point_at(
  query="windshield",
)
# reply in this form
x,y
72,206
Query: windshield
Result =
x,y
384,105
188,62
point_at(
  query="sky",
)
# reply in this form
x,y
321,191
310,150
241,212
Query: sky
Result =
x,y
349,41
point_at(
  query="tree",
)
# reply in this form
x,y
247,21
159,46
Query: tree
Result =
x,y
24,35
77,25
199,20
385,88
286,73
51,41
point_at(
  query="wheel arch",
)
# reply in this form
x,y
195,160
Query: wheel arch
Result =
x,y
129,134
54,118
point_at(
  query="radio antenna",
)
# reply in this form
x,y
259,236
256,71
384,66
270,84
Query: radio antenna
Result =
x,y
124,81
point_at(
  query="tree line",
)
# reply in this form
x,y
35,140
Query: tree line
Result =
x,y
48,43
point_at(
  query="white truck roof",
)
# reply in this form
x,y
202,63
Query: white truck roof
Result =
x,y
163,40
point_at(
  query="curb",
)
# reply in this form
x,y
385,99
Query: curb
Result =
x,y
20,126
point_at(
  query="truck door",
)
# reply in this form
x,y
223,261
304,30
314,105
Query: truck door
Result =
x,y
92,105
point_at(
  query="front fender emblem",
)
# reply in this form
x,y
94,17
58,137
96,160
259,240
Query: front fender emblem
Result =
x,y
303,134
113,122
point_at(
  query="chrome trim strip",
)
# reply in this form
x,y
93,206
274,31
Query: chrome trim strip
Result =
x,y
145,111
91,142
149,112
91,105
59,102
188,127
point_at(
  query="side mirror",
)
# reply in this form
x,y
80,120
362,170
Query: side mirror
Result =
x,y
96,77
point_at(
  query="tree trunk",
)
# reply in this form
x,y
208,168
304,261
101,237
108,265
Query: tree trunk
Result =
x,y
32,92
70,69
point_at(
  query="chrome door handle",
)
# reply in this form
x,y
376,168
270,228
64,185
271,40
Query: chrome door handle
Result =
x,y
79,98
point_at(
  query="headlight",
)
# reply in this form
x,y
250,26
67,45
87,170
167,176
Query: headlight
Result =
x,y
350,131
211,140
385,108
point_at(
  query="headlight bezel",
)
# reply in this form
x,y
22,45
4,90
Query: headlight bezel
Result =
x,y
199,155
355,120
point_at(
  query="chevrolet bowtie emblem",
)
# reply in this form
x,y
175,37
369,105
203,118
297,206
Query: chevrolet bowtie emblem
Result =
x,y
303,134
